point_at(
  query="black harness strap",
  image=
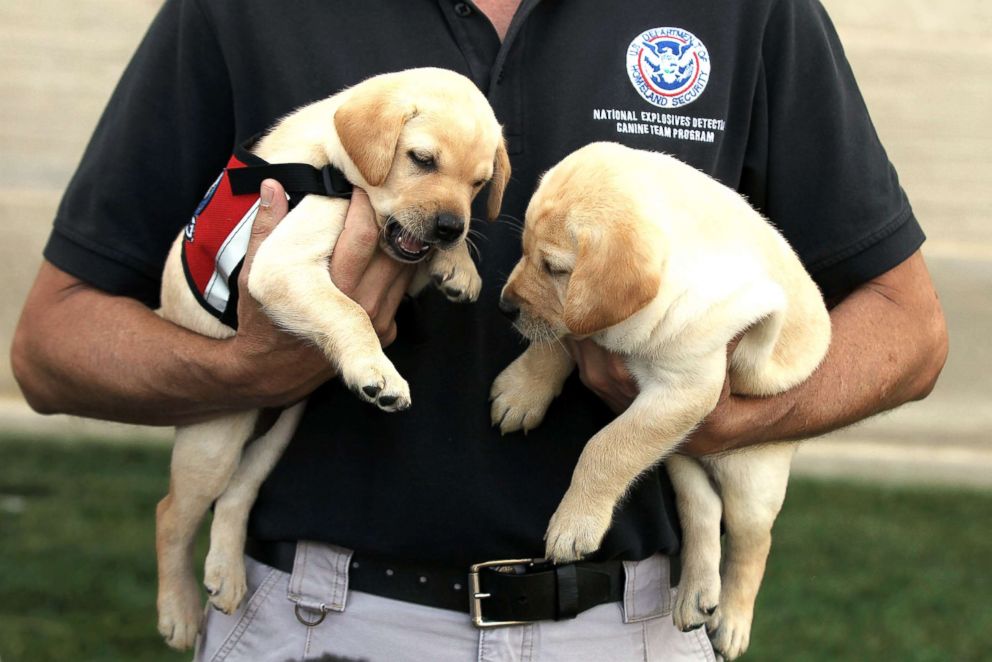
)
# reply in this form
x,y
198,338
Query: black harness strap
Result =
x,y
294,177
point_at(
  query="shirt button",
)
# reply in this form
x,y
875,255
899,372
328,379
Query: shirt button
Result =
x,y
463,9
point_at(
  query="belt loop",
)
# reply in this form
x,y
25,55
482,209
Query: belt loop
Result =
x,y
567,591
320,576
647,593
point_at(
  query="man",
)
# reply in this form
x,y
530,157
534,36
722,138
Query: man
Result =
x,y
756,94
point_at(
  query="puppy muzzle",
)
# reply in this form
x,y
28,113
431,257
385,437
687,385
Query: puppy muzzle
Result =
x,y
510,309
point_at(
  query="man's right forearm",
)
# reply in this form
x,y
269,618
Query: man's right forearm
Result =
x,y
81,351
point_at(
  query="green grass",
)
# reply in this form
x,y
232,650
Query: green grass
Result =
x,y
860,572
77,565
857,572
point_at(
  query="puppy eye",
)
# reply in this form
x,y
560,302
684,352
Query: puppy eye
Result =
x,y
425,161
480,183
552,269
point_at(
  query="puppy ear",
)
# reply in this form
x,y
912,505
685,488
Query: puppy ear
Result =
x,y
615,275
368,124
501,176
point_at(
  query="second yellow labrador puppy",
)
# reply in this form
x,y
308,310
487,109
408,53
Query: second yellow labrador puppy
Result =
x,y
663,265
422,143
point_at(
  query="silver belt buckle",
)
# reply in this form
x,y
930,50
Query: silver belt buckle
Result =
x,y
476,596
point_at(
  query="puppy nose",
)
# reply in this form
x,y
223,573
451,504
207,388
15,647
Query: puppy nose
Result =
x,y
448,227
511,310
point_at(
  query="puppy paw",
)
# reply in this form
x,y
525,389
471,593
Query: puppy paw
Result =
x,y
224,579
730,631
375,380
696,600
575,531
179,615
519,400
457,279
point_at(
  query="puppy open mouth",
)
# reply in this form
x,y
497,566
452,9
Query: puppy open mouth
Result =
x,y
402,245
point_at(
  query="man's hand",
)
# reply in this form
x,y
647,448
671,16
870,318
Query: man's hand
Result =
x,y
287,368
603,373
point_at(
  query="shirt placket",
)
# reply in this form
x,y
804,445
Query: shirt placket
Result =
x,y
494,66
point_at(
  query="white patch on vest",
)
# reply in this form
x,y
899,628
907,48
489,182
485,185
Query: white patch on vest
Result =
x,y
231,252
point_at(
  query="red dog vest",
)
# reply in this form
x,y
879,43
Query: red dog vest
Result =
x,y
216,237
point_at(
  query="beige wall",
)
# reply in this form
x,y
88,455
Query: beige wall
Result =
x,y
58,65
926,72
925,69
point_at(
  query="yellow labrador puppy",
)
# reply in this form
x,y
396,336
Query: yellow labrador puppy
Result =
x,y
656,261
422,143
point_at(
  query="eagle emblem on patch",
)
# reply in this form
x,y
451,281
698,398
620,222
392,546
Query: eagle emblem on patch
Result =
x,y
191,226
669,67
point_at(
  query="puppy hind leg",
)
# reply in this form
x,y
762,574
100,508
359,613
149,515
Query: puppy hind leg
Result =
x,y
224,574
699,512
204,457
752,484
781,350
751,368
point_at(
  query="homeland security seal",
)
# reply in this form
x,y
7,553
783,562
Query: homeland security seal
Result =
x,y
669,67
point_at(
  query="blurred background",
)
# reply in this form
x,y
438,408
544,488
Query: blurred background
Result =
x,y
884,542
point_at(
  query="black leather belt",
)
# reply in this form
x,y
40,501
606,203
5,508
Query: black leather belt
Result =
x,y
495,592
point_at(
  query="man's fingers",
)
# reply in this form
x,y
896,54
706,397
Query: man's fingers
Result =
x,y
385,323
573,348
604,373
272,208
621,376
379,271
396,292
731,348
376,291
734,342
386,339
356,245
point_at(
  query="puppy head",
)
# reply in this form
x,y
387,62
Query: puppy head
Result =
x,y
422,143
590,255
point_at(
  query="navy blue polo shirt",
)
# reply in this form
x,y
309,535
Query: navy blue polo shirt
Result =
x,y
758,94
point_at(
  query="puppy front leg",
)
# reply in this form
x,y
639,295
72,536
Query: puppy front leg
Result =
x,y
522,393
651,428
291,280
453,272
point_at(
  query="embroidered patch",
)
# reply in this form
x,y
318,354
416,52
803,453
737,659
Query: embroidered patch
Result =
x,y
191,226
669,67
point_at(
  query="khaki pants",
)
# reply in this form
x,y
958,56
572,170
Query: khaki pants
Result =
x,y
270,626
